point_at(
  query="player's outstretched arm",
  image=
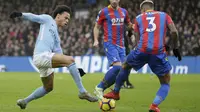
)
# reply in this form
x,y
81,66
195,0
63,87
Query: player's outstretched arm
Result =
x,y
137,37
32,17
96,34
174,35
130,29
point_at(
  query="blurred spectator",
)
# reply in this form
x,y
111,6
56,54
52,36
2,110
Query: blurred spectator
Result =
x,y
17,37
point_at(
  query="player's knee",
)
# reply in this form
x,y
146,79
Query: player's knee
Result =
x,y
69,60
165,79
49,88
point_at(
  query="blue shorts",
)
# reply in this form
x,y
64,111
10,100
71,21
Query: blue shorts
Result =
x,y
114,53
159,63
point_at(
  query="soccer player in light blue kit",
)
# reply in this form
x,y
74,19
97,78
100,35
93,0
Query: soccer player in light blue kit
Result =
x,y
48,53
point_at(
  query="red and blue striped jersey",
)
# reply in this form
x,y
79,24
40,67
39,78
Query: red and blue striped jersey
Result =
x,y
152,26
113,22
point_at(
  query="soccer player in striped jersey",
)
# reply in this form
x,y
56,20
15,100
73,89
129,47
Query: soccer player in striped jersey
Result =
x,y
113,20
150,28
48,53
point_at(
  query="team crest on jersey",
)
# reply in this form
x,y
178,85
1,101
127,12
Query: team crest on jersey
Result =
x,y
117,21
52,33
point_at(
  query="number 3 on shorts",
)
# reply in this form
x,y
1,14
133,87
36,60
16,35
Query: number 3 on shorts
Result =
x,y
151,22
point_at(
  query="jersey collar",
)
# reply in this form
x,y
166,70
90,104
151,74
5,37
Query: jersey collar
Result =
x,y
109,6
149,10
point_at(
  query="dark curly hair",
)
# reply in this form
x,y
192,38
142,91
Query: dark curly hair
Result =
x,y
60,9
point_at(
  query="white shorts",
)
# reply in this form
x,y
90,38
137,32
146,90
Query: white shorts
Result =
x,y
43,62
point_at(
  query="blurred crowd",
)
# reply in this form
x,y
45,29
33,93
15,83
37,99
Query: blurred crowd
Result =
x,y
17,37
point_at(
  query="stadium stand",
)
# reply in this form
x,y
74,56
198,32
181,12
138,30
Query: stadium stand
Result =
x,y
17,37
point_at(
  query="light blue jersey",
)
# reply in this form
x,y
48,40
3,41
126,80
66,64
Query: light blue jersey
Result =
x,y
48,39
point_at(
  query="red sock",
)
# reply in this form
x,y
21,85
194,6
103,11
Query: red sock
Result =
x,y
154,105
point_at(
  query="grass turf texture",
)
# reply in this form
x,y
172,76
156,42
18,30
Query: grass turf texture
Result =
x,y
184,94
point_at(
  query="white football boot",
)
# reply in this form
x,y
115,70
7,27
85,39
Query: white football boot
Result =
x,y
21,103
98,92
87,96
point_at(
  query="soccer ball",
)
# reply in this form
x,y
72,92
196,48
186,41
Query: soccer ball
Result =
x,y
107,104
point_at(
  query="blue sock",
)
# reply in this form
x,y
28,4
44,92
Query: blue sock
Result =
x,y
76,76
161,94
38,93
110,77
122,76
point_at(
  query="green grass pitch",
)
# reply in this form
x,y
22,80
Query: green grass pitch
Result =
x,y
184,94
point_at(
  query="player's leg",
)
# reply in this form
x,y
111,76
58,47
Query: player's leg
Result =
x,y
129,85
110,77
59,60
122,76
161,67
134,60
39,92
122,55
162,92
43,62
108,80
113,57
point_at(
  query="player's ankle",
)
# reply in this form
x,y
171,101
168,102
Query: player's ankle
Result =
x,y
116,91
101,85
154,105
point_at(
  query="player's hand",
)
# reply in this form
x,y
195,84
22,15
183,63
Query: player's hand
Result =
x,y
15,14
96,44
177,54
